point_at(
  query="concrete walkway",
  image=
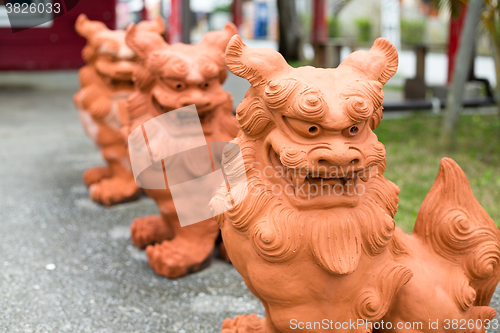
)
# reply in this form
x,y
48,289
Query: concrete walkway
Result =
x,y
67,264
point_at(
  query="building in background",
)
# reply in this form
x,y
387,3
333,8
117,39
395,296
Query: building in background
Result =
x,y
54,45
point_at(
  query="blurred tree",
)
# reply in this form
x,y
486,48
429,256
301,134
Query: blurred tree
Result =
x,y
337,7
460,74
364,29
334,27
333,20
291,35
490,19
413,31
489,14
453,6
490,23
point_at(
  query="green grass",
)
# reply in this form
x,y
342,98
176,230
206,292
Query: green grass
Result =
x,y
413,156
298,63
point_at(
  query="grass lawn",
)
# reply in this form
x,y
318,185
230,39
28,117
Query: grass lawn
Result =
x,y
413,156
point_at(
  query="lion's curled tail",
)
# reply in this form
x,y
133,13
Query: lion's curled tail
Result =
x,y
455,226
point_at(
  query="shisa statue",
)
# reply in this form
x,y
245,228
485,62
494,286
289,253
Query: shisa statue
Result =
x,y
168,78
106,82
314,238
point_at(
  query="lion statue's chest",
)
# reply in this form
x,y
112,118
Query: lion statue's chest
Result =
x,y
301,282
189,165
106,130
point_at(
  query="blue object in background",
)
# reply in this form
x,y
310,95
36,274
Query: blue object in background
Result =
x,y
261,20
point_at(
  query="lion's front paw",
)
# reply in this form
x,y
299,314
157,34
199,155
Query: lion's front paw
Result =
x,y
114,190
244,324
95,175
149,230
180,256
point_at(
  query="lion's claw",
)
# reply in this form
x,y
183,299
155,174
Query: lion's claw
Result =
x,y
180,256
149,230
244,324
95,175
114,190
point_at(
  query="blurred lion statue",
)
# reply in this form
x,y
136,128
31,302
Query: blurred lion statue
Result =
x,y
315,239
168,78
106,82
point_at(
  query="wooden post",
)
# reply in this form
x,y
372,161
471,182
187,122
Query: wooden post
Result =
x,y
144,12
416,88
456,25
174,22
186,21
290,29
237,13
421,52
319,33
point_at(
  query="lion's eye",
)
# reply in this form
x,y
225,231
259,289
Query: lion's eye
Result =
x,y
313,129
179,86
174,84
303,128
351,131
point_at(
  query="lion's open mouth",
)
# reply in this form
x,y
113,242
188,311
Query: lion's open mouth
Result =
x,y
119,79
204,116
121,83
118,83
309,184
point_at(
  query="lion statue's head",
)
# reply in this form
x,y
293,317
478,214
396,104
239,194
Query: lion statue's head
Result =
x,y
106,50
170,77
312,172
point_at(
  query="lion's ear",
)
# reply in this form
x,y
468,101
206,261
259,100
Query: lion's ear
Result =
x,y
386,50
254,65
153,26
219,39
143,42
86,28
380,63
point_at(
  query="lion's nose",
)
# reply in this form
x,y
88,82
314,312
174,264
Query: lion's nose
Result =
x,y
200,104
197,99
336,158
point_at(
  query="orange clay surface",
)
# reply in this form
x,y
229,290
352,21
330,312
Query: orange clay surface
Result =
x,y
327,245
106,82
170,77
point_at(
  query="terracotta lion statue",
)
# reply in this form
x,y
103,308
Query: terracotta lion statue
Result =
x,y
315,238
106,82
170,77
